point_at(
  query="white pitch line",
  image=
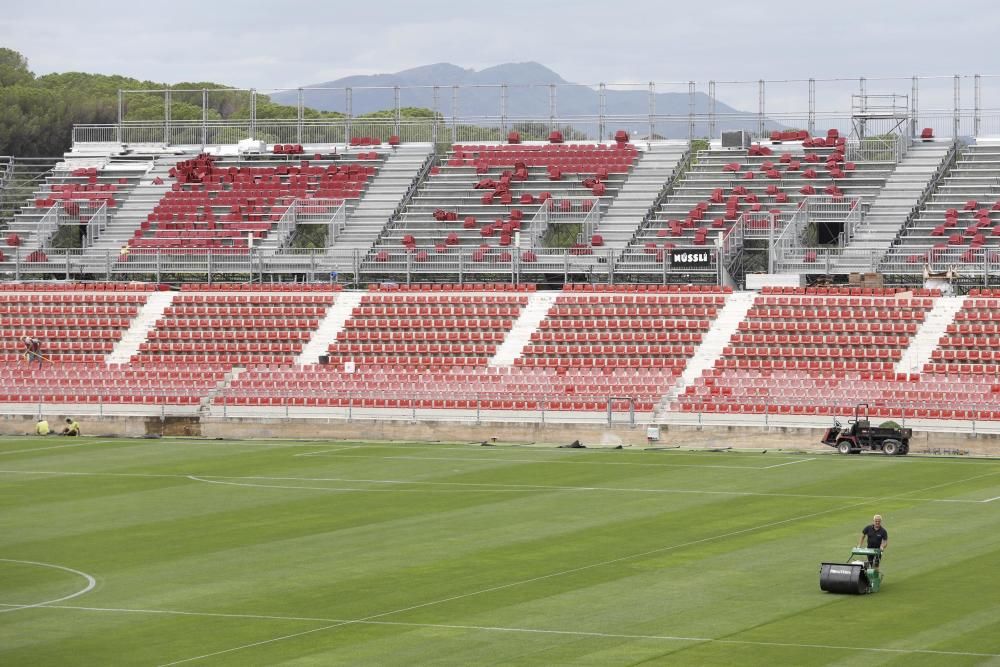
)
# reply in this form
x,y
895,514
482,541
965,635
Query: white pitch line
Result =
x,y
990,500
42,449
551,575
507,629
260,643
490,486
324,452
790,463
552,487
561,462
91,583
270,486
478,486
70,473
522,582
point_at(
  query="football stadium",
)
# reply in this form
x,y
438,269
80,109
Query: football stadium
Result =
x,y
509,373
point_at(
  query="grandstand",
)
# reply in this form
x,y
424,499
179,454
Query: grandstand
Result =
x,y
488,277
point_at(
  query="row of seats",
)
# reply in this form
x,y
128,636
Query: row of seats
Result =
x,y
247,201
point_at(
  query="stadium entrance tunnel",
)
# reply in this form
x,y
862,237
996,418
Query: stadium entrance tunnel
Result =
x,y
176,426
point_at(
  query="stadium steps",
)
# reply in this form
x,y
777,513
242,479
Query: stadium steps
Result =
x,y
923,344
331,325
655,167
383,195
894,203
21,181
143,323
525,325
25,221
738,304
133,212
205,402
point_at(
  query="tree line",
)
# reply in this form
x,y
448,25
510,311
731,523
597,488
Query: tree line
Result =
x,y
37,113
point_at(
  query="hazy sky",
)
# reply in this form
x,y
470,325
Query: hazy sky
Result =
x,y
273,44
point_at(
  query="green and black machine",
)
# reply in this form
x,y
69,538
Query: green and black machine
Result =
x,y
857,577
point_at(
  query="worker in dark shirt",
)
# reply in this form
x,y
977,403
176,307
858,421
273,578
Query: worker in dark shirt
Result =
x,y
877,536
33,350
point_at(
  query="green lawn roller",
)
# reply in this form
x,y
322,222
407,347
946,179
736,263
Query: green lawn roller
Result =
x,y
855,578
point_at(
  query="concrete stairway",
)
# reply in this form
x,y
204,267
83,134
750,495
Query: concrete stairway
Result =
x,y
384,193
205,404
525,325
145,320
923,344
893,204
712,344
331,325
123,173
129,215
24,176
656,165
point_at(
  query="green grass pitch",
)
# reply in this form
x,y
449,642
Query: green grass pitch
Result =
x,y
163,552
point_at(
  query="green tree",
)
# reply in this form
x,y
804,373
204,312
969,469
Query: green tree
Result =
x,y
13,69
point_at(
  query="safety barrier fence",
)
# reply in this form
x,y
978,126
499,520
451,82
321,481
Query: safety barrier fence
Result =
x,y
511,264
344,404
446,131
586,213
330,213
958,105
794,245
491,407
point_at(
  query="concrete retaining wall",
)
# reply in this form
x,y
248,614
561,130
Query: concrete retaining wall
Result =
x,y
749,437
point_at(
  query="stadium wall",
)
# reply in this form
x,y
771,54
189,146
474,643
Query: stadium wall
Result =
x,y
705,437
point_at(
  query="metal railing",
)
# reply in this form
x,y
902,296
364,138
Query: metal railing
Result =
x,y
359,266
589,224
951,105
930,188
320,211
48,225
539,224
96,221
583,212
792,248
761,225
6,171
6,175
880,148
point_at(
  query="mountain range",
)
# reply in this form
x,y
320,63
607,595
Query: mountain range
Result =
x,y
527,97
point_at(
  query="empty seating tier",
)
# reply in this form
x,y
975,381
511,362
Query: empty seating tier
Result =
x,y
72,325
723,184
219,207
244,328
960,221
817,353
177,385
481,195
426,328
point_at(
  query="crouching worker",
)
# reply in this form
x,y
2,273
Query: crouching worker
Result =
x,y
72,427
42,427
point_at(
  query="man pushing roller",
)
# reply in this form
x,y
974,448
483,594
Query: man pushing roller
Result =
x,y
878,538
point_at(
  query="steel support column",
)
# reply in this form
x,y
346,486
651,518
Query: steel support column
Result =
x,y
299,117
711,109
811,122
956,120
760,107
652,110
602,111
691,95
348,111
